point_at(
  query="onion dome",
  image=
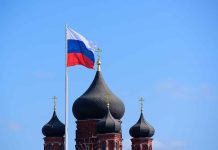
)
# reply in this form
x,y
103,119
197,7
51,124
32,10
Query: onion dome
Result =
x,y
108,124
54,128
141,129
91,105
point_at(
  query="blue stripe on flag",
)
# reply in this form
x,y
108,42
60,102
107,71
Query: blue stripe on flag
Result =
x,y
76,46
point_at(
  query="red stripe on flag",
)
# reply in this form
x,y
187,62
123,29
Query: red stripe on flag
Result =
x,y
79,59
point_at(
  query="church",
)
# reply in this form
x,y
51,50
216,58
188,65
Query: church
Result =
x,y
98,127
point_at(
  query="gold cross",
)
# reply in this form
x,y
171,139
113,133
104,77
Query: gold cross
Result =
x,y
141,103
107,98
98,51
54,98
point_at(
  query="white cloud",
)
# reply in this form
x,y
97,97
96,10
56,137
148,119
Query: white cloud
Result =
x,y
177,144
180,91
173,88
158,144
44,75
14,126
127,144
168,145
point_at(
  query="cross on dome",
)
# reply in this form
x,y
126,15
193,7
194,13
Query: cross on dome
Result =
x,y
141,103
99,52
98,61
54,98
107,98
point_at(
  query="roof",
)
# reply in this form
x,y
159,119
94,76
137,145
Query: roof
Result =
x,y
108,124
92,104
141,128
54,128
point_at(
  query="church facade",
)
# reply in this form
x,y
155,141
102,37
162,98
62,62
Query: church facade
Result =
x,y
98,127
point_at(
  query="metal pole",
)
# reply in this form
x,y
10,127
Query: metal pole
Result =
x,y
66,93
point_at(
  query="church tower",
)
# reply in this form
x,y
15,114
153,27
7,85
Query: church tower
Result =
x,y
98,127
141,132
54,132
108,132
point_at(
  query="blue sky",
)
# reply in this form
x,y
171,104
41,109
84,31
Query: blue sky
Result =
x,y
165,51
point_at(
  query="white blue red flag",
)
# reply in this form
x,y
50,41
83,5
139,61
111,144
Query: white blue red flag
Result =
x,y
80,51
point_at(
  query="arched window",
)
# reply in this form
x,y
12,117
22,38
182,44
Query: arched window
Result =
x,y
137,147
87,147
103,146
115,146
61,147
49,147
145,147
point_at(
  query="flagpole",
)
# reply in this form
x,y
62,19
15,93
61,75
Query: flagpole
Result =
x,y
66,93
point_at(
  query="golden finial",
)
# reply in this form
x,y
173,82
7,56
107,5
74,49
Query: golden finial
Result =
x,y
54,98
107,99
141,103
98,61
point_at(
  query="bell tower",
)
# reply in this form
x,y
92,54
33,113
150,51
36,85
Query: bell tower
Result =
x,y
54,132
109,132
141,132
92,115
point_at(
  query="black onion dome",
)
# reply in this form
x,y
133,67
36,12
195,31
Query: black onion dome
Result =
x,y
91,105
141,129
108,124
54,128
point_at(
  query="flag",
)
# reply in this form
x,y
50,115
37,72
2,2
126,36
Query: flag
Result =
x,y
80,51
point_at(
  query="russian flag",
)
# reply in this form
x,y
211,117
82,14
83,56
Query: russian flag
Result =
x,y
80,51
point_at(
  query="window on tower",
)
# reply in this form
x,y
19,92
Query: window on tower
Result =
x,y
145,147
103,146
138,147
87,147
61,147
49,147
